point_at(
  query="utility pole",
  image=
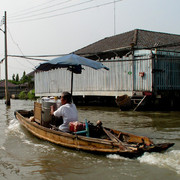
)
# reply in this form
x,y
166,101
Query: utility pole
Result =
x,y
6,66
114,17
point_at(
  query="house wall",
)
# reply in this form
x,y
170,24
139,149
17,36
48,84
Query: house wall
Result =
x,y
122,78
166,71
144,71
89,82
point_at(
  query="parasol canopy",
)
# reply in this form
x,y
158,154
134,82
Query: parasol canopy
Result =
x,y
71,61
68,61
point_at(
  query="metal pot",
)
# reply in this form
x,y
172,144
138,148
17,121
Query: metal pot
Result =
x,y
46,110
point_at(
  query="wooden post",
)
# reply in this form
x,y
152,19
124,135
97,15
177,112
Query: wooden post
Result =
x,y
114,18
6,67
72,82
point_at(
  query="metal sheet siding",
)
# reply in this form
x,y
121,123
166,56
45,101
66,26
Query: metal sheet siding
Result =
x,y
118,78
167,73
123,77
143,64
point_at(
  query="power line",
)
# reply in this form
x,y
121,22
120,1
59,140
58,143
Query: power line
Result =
x,y
71,12
33,56
40,5
17,46
52,11
114,50
25,57
30,12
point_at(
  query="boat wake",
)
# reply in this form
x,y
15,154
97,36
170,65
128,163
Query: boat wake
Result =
x,y
14,129
170,160
115,156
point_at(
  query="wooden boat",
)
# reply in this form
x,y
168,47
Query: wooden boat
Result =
x,y
101,140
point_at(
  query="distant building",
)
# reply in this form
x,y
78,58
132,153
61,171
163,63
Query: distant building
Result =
x,y
12,88
31,74
144,65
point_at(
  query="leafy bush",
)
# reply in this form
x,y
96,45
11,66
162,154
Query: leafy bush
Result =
x,y
22,95
31,94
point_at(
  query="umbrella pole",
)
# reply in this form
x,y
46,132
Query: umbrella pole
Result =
x,y
72,83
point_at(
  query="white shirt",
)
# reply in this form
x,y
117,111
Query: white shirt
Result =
x,y
69,114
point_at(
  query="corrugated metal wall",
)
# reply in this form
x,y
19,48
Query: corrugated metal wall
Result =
x,y
143,64
124,77
167,71
116,81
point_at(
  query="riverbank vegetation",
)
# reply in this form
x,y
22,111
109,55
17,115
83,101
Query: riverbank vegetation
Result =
x,y
27,95
25,79
27,84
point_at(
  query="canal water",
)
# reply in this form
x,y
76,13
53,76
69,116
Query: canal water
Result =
x,y
23,156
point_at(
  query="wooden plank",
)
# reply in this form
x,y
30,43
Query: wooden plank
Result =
x,y
37,112
121,145
139,103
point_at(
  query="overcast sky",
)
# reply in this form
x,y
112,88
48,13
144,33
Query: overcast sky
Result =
x,y
48,27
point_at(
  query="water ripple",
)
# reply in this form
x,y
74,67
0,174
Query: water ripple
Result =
x,y
170,160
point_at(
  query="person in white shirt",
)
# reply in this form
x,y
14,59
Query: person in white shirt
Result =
x,y
67,111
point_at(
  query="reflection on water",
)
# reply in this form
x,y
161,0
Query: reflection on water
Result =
x,y
22,156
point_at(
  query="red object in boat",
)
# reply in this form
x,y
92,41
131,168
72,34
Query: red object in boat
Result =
x,y
76,126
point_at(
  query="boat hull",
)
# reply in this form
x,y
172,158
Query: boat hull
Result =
x,y
80,142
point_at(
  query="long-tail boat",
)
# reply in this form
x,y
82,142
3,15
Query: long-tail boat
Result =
x,y
94,139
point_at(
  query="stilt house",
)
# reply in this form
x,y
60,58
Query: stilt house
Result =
x,y
144,66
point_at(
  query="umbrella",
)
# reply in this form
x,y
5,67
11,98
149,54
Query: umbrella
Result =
x,y
71,61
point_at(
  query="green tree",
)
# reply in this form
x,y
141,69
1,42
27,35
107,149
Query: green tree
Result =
x,y
17,77
13,77
30,82
24,78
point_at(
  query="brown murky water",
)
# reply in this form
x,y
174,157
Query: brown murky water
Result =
x,y
23,156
